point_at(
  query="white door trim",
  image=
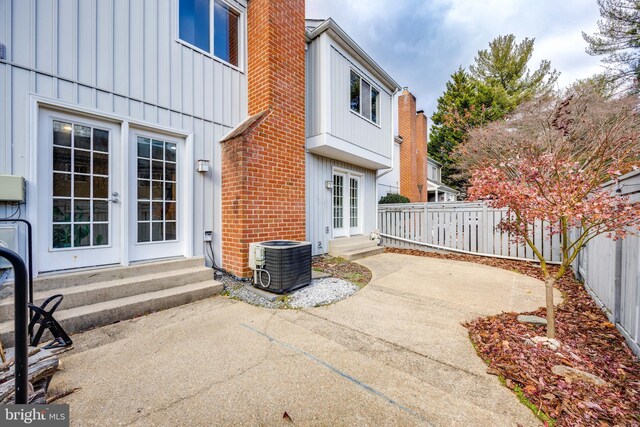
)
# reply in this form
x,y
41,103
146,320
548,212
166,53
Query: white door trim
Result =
x,y
346,197
38,102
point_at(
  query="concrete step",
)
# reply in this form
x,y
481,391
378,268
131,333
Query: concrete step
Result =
x,y
354,246
361,253
92,293
342,242
63,280
91,316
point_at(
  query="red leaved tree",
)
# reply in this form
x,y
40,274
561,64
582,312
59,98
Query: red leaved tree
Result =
x,y
547,162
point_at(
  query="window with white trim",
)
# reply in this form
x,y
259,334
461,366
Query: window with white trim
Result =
x,y
222,39
364,98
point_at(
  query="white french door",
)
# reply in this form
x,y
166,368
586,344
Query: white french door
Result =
x,y
78,192
157,196
347,204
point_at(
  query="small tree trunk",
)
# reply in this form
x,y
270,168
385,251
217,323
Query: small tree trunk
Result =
x,y
551,315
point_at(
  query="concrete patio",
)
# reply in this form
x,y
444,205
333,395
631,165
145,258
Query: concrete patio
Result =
x,y
395,353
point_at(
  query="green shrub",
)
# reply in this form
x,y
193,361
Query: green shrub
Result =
x,y
394,198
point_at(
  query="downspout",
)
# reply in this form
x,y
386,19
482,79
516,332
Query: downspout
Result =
x,y
393,149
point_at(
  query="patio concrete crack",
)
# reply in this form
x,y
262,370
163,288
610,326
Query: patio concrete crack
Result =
x,y
390,343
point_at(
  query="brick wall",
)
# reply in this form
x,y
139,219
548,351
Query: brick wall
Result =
x,y
412,127
263,167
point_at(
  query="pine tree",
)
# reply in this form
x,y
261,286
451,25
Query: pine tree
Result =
x,y
618,39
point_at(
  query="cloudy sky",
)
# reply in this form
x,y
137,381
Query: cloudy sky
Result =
x,y
421,42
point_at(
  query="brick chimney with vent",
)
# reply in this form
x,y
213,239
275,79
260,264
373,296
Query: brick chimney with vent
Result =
x,y
263,159
412,127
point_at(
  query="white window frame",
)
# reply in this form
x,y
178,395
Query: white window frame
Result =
x,y
371,87
242,25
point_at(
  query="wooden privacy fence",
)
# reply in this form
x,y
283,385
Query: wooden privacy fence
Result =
x,y
610,270
460,227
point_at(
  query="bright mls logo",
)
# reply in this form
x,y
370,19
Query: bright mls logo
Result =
x,y
35,415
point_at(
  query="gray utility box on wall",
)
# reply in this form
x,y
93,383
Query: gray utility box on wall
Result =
x,y
288,263
12,188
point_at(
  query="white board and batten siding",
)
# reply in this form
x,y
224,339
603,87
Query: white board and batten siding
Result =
x,y
319,200
119,57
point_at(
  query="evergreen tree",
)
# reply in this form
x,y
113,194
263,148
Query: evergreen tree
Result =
x,y
497,83
618,39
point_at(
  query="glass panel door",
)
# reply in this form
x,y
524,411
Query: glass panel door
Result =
x,y
339,228
78,181
157,190
354,205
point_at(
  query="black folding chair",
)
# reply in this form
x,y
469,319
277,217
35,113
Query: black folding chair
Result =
x,y
46,321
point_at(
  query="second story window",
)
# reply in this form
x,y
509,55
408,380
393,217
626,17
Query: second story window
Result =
x,y
220,39
364,98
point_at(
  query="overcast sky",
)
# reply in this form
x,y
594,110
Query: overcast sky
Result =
x,y
420,43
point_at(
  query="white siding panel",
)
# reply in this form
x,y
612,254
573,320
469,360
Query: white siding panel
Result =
x,y
121,47
150,51
86,42
164,53
136,50
45,36
104,44
21,36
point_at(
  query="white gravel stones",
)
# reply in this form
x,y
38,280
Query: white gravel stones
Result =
x,y
322,292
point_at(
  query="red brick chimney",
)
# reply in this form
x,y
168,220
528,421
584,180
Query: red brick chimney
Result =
x,y
263,159
421,148
412,127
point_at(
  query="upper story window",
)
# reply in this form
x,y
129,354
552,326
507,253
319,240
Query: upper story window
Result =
x,y
220,39
364,99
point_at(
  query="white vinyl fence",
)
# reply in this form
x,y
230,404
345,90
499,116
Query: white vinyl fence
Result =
x,y
460,227
610,270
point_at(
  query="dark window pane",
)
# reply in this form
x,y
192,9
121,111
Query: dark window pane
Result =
x,y
100,210
143,169
143,147
194,23
170,191
81,161
61,236
170,171
81,235
157,150
101,140
143,190
100,163
157,170
157,231
61,184
144,211
156,190
61,210
225,33
170,211
374,105
100,234
144,232
355,92
170,231
100,187
157,211
61,159
365,96
82,186
81,210
82,137
61,133
170,152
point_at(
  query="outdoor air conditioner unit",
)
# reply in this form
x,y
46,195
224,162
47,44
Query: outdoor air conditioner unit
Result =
x,y
280,266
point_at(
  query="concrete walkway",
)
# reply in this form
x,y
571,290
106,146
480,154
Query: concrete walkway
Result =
x,y
393,354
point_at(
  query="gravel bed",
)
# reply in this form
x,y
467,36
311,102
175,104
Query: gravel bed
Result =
x,y
319,292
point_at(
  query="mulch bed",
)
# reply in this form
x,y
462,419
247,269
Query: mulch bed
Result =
x,y
340,268
589,342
